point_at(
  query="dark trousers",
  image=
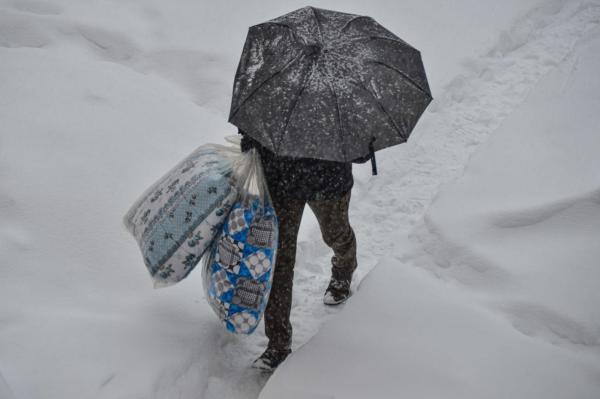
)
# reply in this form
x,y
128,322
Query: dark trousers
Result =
x,y
332,215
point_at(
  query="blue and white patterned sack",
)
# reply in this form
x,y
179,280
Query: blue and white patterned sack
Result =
x,y
238,274
178,217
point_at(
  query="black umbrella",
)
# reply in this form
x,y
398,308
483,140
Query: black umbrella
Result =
x,y
328,85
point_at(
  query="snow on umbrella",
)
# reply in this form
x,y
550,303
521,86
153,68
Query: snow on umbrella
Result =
x,y
328,85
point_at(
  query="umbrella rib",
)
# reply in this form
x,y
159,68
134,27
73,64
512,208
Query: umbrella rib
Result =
x,y
382,108
391,39
318,23
285,26
408,78
339,115
288,117
352,20
262,84
274,23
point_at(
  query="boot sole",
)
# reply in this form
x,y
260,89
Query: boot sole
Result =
x,y
334,303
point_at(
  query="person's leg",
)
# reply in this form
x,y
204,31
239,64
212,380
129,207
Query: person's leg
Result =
x,y
332,215
277,314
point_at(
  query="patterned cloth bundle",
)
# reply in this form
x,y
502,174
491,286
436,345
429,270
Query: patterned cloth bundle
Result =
x,y
178,217
215,204
238,274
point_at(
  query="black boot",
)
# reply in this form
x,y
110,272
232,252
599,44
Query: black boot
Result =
x,y
271,358
337,292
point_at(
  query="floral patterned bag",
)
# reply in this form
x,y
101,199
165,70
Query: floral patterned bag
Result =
x,y
178,217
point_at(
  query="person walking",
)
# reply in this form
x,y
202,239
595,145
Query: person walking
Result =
x,y
326,187
315,91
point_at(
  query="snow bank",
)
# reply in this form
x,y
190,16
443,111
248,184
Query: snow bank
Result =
x,y
523,223
404,335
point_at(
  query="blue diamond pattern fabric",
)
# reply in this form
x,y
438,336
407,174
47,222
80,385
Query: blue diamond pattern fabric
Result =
x,y
245,253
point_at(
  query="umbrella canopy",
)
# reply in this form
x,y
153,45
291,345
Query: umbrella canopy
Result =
x,y
323,84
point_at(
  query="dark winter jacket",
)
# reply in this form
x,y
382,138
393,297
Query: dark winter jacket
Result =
x,y
305,179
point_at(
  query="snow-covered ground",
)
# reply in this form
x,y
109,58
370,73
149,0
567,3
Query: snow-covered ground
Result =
x,y
488,291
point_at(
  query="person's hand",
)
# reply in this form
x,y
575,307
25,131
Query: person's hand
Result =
x,y
246,144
